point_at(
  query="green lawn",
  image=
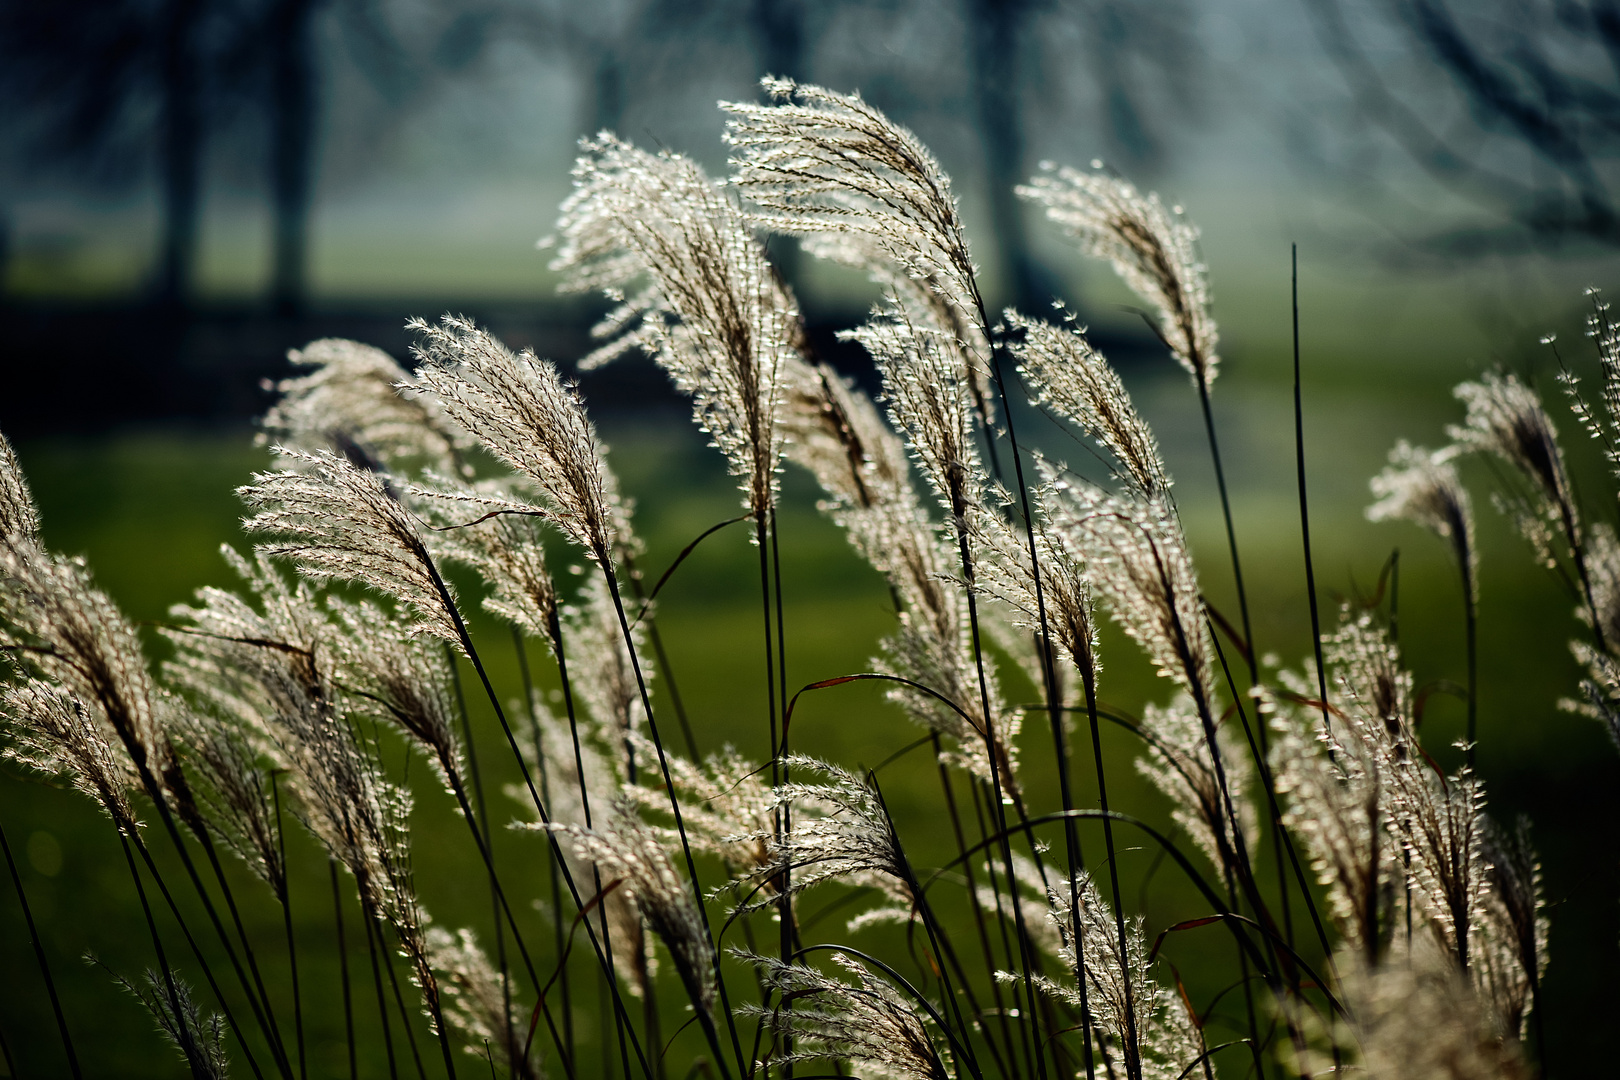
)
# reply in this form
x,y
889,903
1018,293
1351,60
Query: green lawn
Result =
x,y
149,509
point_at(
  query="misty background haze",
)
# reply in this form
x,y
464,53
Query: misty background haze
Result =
x,y
289,156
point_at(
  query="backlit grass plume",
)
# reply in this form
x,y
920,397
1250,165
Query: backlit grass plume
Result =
x,y
1152,248
518,406
1310,887
358,400
711,310
344,523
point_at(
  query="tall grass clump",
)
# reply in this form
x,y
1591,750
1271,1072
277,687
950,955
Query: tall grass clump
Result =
x,y
646,897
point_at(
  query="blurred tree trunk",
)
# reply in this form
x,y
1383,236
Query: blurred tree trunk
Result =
x,y
607,90
182,139
292,152
778,29
995,27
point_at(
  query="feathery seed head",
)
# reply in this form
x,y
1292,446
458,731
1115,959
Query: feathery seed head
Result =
x,y
1138,560
477,1000
358,398
831,167
519,407
725,802
1154,250
847,835
1182,764
711,309
345,523
1418,1018
627,848
198,1036
63,629
1421,486
19,517
1511,951
1506,418
1066,373
867,1024
52,732
1338,811
391,674
929,401
1118,986
505,548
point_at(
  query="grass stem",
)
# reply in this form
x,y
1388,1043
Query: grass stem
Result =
x,y
44,965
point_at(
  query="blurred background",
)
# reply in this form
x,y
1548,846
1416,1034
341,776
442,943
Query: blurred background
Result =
x,y
189,188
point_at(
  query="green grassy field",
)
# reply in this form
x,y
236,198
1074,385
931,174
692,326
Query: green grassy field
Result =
x,y
148,510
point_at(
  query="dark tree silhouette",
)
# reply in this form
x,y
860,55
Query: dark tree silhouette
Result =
x,y
1126,43
106,90
1513,105
293,145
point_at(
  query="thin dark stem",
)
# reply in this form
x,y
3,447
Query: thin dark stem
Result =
x,y
930,927
1133,1063
705,1020
976,905
39,957
657,641
183,1034
1053,702
1304,512
504,909
489,854
1471,622
1286,841
399,1000
160,802
1027,960
277,1046
776,682
471,651
551,858
368,920
287,923
980,797
343,969
605,950
196,951
1231,533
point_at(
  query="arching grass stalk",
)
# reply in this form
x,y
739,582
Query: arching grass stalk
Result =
x,y
471,652
776,683
405,1013
705,1020
975,904
368,923
183,1033
998,810
285,896
1286,841
1054,704
633,575
930,925
496,900
343,971
1088,683
196,951
1304,512
44,965
555,884
277,1045
605,952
